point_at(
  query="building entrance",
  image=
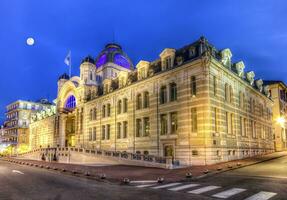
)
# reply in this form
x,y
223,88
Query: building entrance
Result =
x,y
70,132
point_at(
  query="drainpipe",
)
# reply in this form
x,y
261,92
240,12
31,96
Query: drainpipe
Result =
x,y
116,127
157,121
134,120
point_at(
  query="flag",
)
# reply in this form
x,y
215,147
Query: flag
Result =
x,y
67,60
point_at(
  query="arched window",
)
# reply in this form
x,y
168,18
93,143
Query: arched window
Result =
x,y
71,102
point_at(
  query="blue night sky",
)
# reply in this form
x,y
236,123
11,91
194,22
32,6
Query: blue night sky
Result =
x,y
255,31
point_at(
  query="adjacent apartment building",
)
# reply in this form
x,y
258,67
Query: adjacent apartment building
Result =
x,y
18,115
193,104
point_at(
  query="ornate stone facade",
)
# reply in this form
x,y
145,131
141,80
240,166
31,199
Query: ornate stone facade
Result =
x,y
192,104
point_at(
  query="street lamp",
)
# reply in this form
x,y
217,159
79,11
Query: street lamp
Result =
x,y
281,121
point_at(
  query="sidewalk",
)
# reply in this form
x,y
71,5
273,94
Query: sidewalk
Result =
x,y
116,173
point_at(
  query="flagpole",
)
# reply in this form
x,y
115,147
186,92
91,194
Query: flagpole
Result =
x,y
70,67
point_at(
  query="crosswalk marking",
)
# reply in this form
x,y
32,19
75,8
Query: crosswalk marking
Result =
x,y
166,185
204,189
183,187
228,193
262,196
143,186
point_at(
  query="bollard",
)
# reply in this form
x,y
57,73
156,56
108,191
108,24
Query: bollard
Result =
x,y
126,181
188,175
103,176
160,179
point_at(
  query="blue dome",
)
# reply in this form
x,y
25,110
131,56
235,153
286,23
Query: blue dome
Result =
x,y
114,53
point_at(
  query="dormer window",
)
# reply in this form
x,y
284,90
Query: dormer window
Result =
x,y
168,62
191,51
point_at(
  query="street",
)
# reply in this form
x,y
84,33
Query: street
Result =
x,y
26,183
267,180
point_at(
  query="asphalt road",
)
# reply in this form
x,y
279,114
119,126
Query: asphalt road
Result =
x,y
267,180
29,183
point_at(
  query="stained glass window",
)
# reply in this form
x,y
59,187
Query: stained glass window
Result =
x,y
102,60
70,102
121,60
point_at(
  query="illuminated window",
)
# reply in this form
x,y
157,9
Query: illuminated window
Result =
x,y
173,117
146,126
70,102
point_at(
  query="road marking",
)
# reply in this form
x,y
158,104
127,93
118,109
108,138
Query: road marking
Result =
x,y
204,189
183,187
228,193
147,181
166,185
143,186
18,172
262,196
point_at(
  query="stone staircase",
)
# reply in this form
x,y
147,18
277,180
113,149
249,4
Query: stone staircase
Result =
x,y
96,157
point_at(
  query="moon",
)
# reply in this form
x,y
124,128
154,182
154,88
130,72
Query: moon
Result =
x,y
30,41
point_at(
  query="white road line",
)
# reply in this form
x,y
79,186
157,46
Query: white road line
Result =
x,y
146,181
262,196
204,189
144,186
183,187
228,193
166,185
18,172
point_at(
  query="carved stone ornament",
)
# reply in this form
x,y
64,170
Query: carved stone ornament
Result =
x,y
250,77
226,56
259,84
240,68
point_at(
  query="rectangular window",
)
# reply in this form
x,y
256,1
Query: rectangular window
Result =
x,y
173,117
215,118
125,105
163,95
231,123
163,124
146,126
90,134
103,111
193,120
139,101
103,132
214,81
91,115
241,126
94,134
253,129
226,122
193,86
173,91
94,114
108,131
245,126
109,110
119,130
138,127
146,100
125,129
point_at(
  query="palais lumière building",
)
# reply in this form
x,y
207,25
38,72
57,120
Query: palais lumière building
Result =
x,y
192,103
